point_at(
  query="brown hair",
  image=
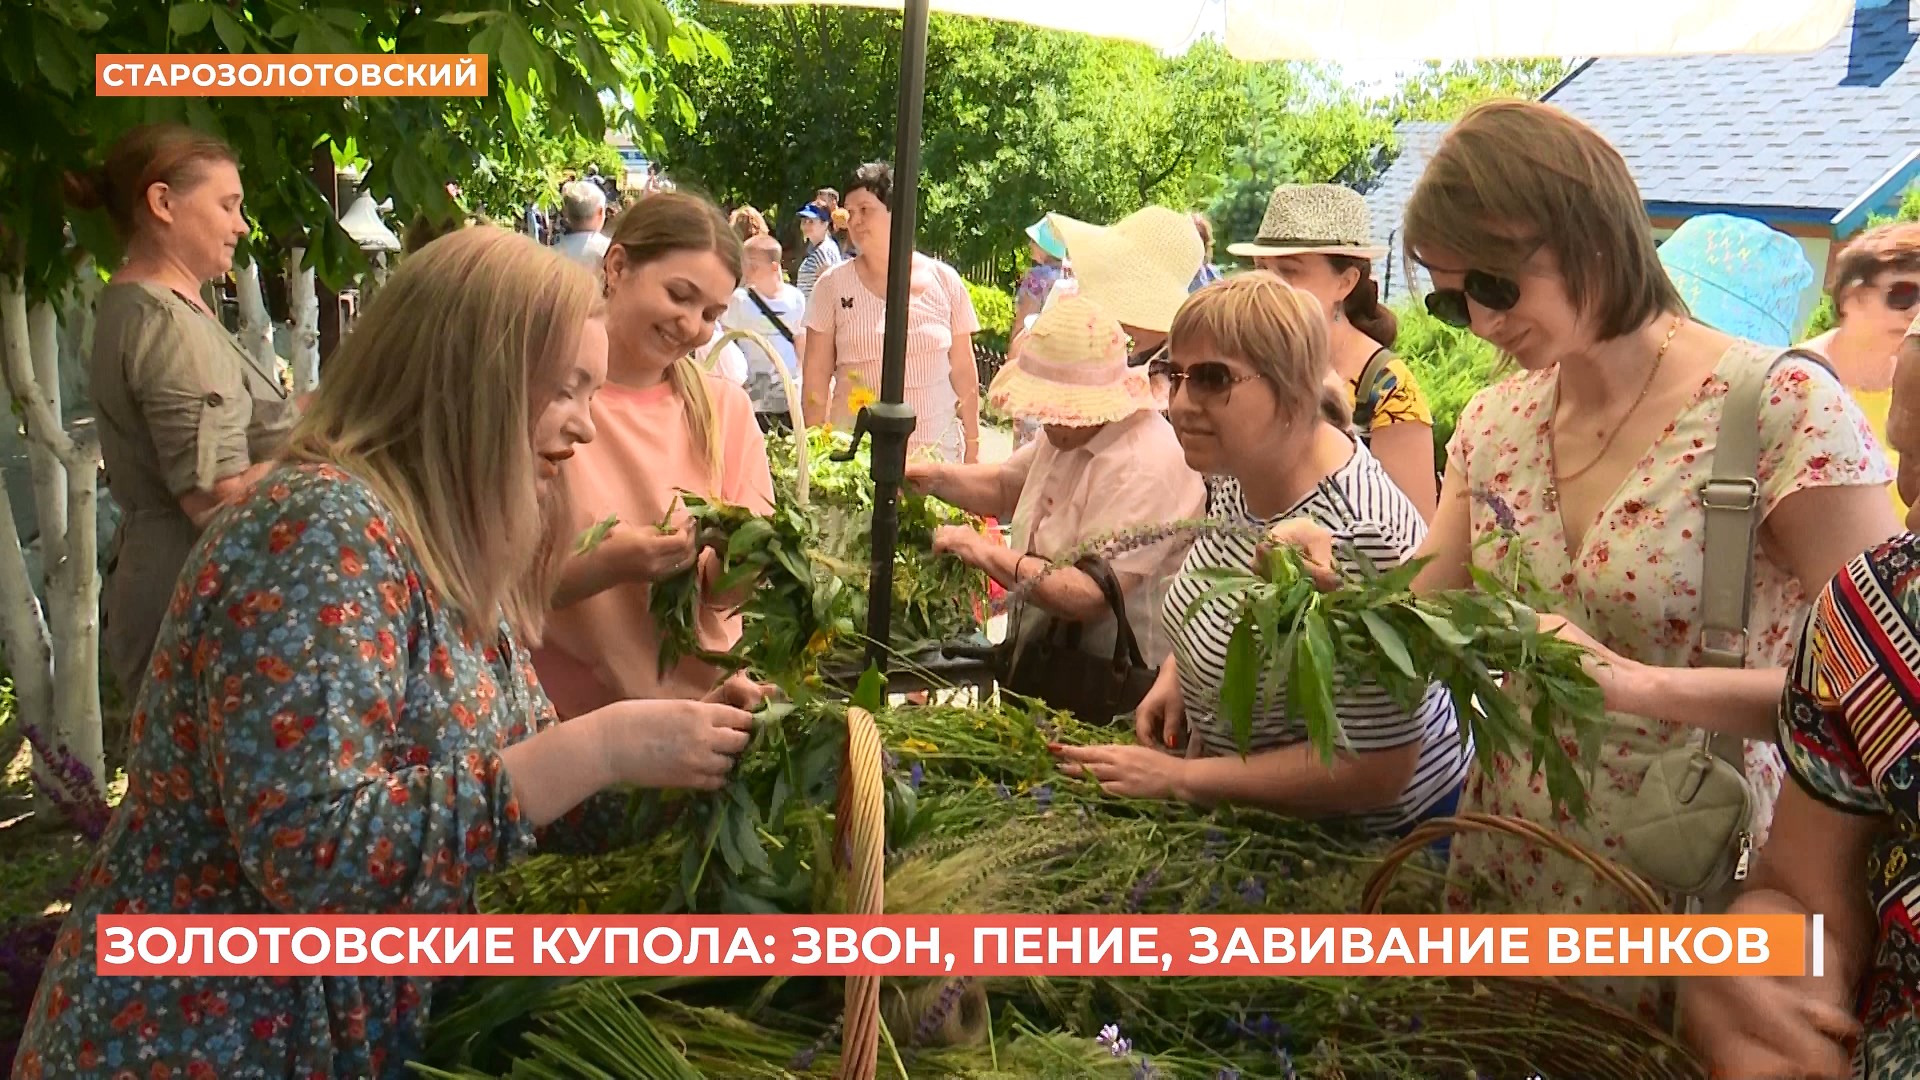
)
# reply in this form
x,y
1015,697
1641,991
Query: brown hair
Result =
x,y
1515,176
875,178
1205,228
1894,247
748,223
170,154
1362,306
431,401
663,223
1274,328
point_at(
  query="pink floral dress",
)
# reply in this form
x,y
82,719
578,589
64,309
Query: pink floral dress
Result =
x,y
1634,585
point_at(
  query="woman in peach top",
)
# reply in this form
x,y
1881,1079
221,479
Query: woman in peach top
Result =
x,y
663,427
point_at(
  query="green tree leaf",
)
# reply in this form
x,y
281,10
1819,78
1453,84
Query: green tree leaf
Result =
x,y
1389,642
1310,685
232,34
190,18
1239,682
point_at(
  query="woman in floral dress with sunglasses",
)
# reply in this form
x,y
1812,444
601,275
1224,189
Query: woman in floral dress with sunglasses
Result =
x,y
1876,292
1590,459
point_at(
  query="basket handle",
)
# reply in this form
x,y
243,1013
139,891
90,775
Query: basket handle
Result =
x,y
862,818
1643,895
800,474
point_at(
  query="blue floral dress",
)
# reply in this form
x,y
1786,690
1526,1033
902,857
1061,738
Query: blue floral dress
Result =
x,y
315,735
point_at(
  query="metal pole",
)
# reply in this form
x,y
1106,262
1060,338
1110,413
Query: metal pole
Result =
x,y
890,421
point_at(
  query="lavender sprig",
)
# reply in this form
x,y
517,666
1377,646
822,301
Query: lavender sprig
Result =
x,y
936,1015
803,1060
1121,542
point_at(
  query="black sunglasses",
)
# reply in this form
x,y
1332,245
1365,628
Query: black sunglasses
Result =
x,y
1490,292
1209,382
1903,295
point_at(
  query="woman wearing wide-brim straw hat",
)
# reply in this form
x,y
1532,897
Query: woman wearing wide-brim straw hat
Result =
x,y
1109,461
1137,270
1319,238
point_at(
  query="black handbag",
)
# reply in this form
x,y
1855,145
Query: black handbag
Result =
x,y
1050,666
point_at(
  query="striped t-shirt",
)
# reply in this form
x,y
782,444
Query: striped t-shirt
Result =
x,y
1367,513
820,258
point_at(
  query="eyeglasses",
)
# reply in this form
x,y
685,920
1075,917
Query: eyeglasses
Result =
x,y
1210,382
1903,295
1490,292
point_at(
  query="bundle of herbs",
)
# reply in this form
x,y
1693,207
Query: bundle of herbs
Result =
x,y
935,598
795,610
980,821
1520,690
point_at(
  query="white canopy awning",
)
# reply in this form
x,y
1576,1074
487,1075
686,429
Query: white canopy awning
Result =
x,y
1431,29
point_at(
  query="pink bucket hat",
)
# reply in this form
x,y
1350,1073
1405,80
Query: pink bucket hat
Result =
x,y
1071,371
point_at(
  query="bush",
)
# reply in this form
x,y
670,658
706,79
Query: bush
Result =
x,y
995,311
1450,365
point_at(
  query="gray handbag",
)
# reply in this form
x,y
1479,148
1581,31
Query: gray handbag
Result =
x,y
1689,829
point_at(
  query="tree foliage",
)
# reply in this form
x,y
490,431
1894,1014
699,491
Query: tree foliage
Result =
x,y
1445,91
548,64
1018,121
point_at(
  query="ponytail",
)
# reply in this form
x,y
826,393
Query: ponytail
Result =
x,y
1362,305
690,383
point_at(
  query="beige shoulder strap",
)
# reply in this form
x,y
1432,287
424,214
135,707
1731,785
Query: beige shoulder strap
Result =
x,y
1731,500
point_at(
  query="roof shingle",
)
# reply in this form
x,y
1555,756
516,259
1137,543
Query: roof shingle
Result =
x,y
1812,132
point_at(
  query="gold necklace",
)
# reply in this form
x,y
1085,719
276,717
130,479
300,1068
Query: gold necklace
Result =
x,y
1554,476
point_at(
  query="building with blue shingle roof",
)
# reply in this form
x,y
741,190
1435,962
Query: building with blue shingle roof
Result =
x,y
1414,141
1812,144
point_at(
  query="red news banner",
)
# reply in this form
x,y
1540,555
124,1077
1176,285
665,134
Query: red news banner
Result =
x,y
957,944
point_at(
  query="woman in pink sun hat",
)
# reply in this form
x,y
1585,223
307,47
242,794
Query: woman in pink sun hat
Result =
x,y
1109,461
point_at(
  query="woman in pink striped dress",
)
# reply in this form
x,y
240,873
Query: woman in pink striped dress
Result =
x,y
846,321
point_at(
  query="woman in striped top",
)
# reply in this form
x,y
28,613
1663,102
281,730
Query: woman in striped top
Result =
x,y
1262,418
846,321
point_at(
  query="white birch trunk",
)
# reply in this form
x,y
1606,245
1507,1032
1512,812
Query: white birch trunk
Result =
x,y
49,474
23,623
256,327
306,323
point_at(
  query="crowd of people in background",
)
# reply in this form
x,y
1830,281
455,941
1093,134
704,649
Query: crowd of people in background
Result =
x,y
369,662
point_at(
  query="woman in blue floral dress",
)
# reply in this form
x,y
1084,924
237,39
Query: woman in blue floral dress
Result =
x,y
339,716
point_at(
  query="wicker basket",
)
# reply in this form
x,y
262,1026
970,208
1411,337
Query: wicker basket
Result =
x,y
862,828
1546,1028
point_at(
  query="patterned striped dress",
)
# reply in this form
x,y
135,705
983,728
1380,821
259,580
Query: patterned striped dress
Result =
x,y
1851,741
1366,513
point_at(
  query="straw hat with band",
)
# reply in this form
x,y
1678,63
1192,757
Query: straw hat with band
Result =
x,y
1739,276
1314,219
1136,270
1071,371
1046,239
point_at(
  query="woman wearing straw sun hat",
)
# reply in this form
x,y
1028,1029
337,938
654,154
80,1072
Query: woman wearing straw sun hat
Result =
x,y
1049,255
1318,237
1109,462
1137,270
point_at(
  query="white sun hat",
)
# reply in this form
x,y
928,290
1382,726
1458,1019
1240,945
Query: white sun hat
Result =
x,y
1136,270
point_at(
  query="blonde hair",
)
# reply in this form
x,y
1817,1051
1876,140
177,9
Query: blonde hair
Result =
x,y
658,225
430,402
1514,176
1274,328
